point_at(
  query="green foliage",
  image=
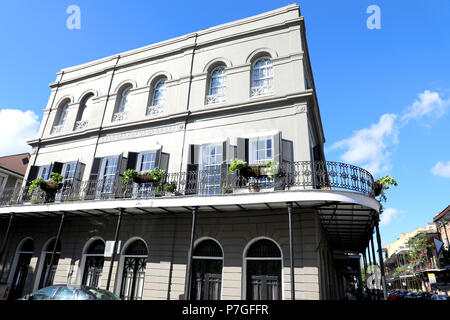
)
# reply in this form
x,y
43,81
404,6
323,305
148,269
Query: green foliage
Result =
x,y
170,187
386,182
128,174
418,246
35,184
227,189
272,168
157,174
237,164
55,178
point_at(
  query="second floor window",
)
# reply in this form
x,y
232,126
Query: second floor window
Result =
x,y
260,150
84,113
217,86
124,105
159,95
61,116
146,161
262,77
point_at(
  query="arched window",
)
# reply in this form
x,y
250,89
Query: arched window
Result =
x,y
93,266
262,77
206,277
123,104
61,116
263,269
134,263
158,98
48,272
85,112
23,254
217,85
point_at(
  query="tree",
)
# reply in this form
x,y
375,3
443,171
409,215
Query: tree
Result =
x,y
418,247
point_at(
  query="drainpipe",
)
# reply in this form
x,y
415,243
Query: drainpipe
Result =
x,y
58,236
187,288
380,256
116,239
291,251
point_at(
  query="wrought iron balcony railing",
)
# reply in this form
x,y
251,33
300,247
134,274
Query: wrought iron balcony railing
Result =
x,y
300,175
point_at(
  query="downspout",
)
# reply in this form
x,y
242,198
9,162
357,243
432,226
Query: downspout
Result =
x,y
187,107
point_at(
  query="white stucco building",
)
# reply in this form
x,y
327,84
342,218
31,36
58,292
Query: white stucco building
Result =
x,y
189,106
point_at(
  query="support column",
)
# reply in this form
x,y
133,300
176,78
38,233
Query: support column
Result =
x,y
187,288
375,264
5,239
58,236
380,257
365,269
369,291
291,251
116,239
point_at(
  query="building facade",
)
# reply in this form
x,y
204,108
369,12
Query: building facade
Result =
x,y
12,171
191,107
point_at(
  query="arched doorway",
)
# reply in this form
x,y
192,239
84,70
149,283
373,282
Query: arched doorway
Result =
x,y
134,263
207,263
24,253
263,271
93,264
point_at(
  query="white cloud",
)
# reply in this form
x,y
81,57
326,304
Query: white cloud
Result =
x,y
16,127
441,169
429,104
368,147
388,215
371,147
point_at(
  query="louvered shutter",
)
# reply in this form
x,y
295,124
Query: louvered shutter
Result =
x,y
192,169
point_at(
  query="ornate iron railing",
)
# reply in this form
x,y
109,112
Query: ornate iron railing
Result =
x,y
300,175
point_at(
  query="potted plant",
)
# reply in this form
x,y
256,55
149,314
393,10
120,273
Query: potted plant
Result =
x,y
170,188
271,169
49,186
227,189
154,175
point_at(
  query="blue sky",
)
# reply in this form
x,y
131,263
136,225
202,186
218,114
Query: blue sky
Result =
x,y
384,94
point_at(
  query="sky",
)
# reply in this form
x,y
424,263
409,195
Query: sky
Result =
x,y
384,92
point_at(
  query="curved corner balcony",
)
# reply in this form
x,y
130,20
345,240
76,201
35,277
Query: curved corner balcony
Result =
x,y
300,175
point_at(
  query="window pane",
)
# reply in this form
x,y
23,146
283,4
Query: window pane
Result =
x,y
44,294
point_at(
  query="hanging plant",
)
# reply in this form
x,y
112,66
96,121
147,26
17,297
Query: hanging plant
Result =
x,y
48,186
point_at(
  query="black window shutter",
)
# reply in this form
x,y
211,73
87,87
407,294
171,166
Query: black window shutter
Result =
x,y
95,168
132,160
32,174
56,167
164,161
192,170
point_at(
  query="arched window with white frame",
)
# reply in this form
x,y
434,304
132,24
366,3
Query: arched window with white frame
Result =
x,y
206,276
93,264
85,112
134,264
158,97
123,104
262,77
61,116
217,85
263,263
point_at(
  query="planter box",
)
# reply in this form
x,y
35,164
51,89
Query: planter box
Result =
x,y
50,187
143,178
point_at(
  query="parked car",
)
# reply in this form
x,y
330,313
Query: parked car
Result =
x,y
70,292
423,295
438,297
410,295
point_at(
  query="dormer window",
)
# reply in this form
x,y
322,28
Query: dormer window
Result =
x,y
262,77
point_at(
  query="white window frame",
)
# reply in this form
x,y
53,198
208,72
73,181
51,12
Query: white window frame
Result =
x,y
219,96
253,152
260,90
204,166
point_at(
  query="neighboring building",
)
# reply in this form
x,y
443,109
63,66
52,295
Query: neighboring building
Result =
x,y
401,273
189,106
442,276
12,171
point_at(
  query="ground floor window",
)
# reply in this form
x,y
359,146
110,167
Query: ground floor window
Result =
x,y
134,264
93,267
48,271
263,271
207,263
24,254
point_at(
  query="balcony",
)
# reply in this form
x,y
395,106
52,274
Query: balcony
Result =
x,y
300,175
